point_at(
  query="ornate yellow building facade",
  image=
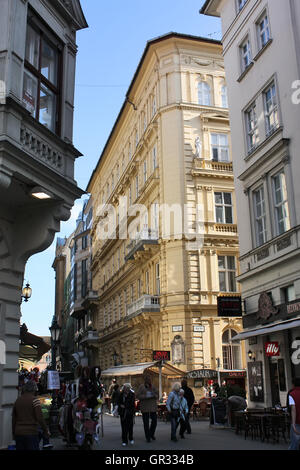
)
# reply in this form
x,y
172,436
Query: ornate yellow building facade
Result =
x,y
164,236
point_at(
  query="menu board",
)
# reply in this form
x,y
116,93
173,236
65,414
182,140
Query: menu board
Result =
x,y
255,376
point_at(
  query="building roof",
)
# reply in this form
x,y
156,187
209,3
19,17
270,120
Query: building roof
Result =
x,y
207,6
127,97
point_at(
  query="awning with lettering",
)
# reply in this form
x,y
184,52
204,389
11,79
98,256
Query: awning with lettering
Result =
x,y
266,330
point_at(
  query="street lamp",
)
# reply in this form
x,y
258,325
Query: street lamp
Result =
x,y
26,292
55,337
251,355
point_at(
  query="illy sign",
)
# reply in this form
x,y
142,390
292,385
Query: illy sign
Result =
x,y
272,349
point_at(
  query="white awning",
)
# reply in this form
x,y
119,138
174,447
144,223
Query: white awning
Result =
x,y
131,369
266,330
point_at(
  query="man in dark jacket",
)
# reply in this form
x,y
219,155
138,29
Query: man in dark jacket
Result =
x,y
26,418
190,398
126,410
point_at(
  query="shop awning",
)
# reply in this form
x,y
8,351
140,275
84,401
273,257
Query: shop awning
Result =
x,y
138,369
32,347
131,369
266,330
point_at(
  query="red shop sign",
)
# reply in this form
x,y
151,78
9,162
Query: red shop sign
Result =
x,y
272,349
161,355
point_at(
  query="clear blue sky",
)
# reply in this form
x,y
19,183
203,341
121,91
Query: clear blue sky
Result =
x,y
109,52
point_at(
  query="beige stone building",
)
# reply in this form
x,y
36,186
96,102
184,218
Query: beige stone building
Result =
x,y
169,154
261,55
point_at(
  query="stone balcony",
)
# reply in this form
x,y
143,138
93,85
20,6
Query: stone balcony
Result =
x,y
146,303
210,167
146,237
89,338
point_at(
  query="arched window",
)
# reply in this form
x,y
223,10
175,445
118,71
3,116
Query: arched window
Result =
x,y
224,99
231,351
204,94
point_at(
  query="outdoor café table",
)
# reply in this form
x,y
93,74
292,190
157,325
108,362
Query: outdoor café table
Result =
x,y
263,417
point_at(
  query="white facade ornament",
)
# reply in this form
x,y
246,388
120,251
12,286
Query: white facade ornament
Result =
x,y
198,145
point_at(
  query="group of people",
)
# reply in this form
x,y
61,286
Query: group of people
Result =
x,y
29,427
178,403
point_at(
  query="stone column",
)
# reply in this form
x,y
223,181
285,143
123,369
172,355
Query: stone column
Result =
x,y
22,234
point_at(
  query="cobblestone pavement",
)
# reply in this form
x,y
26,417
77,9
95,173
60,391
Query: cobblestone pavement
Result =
x,y
203,437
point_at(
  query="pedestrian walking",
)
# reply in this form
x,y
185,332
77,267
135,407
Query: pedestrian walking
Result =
x,y
115,398
183,414
126,409
148,396
27,417
294,403
109,393
173,407
190,398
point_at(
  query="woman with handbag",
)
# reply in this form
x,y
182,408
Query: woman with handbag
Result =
x,y
173,407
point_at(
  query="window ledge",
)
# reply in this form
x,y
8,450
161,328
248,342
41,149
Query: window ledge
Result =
x,y
245,72
262,50
262,144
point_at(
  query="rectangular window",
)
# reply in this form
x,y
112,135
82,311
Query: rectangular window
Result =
x,y
137,186
252,127
157,279
120,307
223,208
280,198
139,288
271,109
84,241
131,293
145,171
219,147
240,4
41,93
263,30
75,281
147,283
288,294
260,216
154,158
246,57
227,273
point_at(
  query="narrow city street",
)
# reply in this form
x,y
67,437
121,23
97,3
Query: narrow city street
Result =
x,y
202,438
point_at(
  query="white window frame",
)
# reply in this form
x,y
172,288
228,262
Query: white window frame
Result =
x,y
147,282
227,271
223,205
264,32
251,127
260,217
204,94
282,204
246,54
271,108
219,147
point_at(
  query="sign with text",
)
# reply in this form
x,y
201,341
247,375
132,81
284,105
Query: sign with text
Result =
x,y
199,328
161,355
272,349
53,380
229,306
202,374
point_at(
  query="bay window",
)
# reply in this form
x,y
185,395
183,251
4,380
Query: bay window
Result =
x,y
41,82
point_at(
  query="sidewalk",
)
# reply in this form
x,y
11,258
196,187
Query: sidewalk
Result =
x,y
202,438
